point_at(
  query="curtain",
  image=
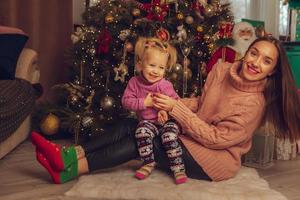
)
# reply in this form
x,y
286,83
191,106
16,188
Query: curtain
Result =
x,y
262,10
49,25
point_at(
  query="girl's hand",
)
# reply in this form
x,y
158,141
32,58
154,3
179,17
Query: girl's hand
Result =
x,y
163,102
148,101
162,116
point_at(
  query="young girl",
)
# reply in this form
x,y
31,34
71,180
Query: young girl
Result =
x,y
218,126
153,58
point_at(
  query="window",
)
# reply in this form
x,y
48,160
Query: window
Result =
x,y
283,19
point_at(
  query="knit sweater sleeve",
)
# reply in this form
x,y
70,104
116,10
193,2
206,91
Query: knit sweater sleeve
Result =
x,y
226,131
130,99
192,103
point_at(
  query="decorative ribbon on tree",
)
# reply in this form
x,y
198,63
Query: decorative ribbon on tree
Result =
x,y
225,30
103,42
198,6
185,49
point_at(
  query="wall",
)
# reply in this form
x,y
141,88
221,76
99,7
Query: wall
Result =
x,y
49,25
78,9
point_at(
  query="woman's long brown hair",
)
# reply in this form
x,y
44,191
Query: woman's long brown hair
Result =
x,y
282,100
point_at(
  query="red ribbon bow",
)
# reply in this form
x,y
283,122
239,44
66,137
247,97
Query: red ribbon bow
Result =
x,y
103,41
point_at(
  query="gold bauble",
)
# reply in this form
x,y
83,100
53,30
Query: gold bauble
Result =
x,y
173,76
200,29
189,19
177,68
107,103
109,18
136,12
180,16
50,124
209,10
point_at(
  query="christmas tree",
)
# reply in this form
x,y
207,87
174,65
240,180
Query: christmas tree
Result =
x,y
102,57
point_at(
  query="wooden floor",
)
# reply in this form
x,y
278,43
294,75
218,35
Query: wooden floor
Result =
x,y
21,177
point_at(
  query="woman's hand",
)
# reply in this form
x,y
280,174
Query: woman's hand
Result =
x,y
163,102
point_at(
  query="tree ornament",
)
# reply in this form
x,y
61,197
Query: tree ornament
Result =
x,y
211,46
77,35
179,16
198,37
225,30
163,34
50,124
87,121
196,90
189,20
199,53
209,10
107,103
128,47
203,70
187,74
92,51
177,68
136,12
103,41
181,34
74,102
200,29
198,7
185,50
109,18
124,34
156,10
187,62
207,38
121,72
173,76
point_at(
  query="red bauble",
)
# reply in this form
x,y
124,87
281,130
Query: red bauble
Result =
x,y
163,34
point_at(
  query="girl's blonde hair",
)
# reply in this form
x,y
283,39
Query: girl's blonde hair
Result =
x,y
144,44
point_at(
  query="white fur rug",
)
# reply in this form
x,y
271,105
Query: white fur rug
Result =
x,y
119,183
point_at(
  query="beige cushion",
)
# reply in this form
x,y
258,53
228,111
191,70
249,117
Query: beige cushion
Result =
x,y
19,136
27,68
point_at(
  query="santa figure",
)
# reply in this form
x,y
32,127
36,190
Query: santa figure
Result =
x,y
243,35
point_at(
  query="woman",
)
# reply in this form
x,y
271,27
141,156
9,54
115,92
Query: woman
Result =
x,y
217,127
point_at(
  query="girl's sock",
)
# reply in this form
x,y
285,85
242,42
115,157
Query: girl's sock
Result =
x,y
58,176
144,171
58,157
180,177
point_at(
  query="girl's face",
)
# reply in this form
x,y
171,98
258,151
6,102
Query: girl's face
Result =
x,y
260,61
153,65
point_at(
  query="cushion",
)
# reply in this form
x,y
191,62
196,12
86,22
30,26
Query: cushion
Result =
x,y
10,49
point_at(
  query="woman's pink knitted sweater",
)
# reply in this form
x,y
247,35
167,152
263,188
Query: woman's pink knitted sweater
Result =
x,y
218,126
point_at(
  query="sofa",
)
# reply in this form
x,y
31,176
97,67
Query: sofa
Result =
x,y
26,74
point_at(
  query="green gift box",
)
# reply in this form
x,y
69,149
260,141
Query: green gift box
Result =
x,y
294,4
293,54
